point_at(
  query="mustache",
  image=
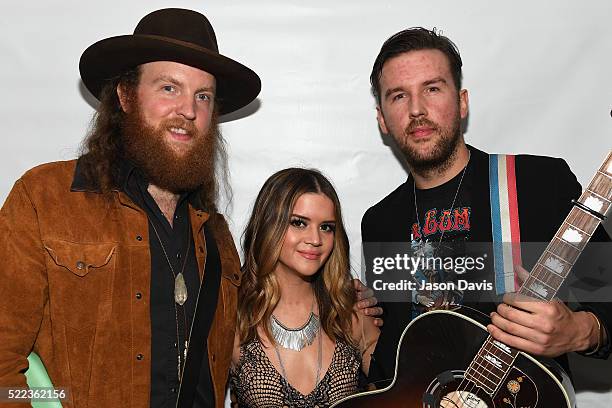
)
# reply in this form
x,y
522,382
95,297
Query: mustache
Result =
x,y
179,123
421,122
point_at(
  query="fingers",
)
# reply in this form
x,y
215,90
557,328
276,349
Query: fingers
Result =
x,y
515,329
516,335
518,316
516,342
373,311
362,291
526,303
366,294
368,302
358,285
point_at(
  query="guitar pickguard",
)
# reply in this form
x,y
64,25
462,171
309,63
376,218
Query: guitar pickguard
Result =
x,y
519,391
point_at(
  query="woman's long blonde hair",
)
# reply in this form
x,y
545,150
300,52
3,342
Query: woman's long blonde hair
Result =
x,y
263,238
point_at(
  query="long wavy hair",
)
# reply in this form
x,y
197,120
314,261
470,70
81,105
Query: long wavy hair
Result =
x,y
263,238
102,148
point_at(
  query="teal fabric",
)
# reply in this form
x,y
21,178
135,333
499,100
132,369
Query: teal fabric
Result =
x,y
37,377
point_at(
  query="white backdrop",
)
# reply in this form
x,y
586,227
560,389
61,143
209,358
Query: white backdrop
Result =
x,y
539,75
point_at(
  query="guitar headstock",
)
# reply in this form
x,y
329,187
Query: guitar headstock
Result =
x,y
598,194
606,167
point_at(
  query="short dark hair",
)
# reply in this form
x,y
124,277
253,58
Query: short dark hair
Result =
x,y
414,39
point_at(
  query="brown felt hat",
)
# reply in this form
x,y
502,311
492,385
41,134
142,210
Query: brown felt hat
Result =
x,y
177,35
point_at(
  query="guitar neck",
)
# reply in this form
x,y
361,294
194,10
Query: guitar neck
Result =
x,y
561,254
494,359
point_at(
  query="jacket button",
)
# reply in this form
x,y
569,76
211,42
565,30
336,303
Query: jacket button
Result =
x,y
80,265
236,276
201,249
139,357
138,238
138,295
213,357
173,390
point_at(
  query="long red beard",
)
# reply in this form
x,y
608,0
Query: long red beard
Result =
x,y
147,148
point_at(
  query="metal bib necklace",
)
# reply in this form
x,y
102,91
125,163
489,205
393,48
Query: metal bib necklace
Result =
x,y
298,338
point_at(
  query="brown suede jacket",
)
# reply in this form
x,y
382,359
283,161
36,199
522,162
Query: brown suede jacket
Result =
x,y
74,288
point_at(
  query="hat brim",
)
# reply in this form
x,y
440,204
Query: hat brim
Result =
x,y
237,85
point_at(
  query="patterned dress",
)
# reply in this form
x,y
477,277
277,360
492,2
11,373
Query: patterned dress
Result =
x,y
256,383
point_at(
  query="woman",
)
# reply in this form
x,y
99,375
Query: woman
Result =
x,y
299,342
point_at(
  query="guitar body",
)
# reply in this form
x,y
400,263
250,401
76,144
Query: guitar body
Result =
x,y
447,358
434,351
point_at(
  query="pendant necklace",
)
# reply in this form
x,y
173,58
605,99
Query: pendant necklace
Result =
x,y
180,297
295,339
319,358
180,288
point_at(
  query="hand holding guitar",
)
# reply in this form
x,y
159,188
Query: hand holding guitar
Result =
x,y
543,328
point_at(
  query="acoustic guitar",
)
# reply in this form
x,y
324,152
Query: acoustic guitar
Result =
x,y
446,358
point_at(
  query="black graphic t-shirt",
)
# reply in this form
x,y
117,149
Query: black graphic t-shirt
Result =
x,y
439,231
436,218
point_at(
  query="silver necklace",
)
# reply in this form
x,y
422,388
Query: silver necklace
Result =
x,y
180,288
427,301
295,339
180,297
319,357
416,207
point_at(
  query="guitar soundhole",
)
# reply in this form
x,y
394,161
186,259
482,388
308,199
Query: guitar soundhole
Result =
x,y
460,399
451,390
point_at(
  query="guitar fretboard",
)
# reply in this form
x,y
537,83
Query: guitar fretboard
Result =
x,y
494,359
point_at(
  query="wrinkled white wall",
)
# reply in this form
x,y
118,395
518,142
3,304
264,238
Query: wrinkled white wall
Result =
x,y
538,72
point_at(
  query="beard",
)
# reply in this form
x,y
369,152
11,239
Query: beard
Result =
x,y
163,167
441,155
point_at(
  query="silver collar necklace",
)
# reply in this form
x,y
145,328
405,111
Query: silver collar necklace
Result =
x,y
298,338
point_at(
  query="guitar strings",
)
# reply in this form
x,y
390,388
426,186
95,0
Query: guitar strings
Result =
x,y
472,384
486,366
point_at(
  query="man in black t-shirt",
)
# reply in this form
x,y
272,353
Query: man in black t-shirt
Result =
x,y
416,81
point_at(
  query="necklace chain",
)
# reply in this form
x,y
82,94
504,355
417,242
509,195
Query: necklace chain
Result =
x,y
181,361
298,338
180,289
319,361
308,329
416,207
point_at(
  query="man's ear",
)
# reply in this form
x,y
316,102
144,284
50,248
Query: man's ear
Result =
x,y
123,97
381,120
464,103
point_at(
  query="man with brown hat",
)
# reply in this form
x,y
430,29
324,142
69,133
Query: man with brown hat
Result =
x,y
117,268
